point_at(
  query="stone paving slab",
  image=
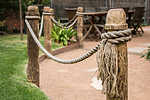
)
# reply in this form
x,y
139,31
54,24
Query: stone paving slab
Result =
x,y
146,44
136,50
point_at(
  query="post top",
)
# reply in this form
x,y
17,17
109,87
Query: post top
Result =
x,y
33,10
48,10
116,20
80,9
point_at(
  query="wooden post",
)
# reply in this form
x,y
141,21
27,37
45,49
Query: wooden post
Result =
x,y
80,25
113,59
48,13
33,50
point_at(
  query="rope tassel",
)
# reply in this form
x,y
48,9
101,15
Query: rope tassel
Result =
x,y
109,67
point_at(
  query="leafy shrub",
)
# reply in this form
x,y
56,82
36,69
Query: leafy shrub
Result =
x,y
2,23
46,2
63,36
3,27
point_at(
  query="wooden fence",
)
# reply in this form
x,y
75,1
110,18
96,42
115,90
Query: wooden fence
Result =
x,y
112,48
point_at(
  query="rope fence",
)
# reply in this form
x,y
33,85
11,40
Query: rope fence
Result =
x,y
76,60
64,25
111,51
114,36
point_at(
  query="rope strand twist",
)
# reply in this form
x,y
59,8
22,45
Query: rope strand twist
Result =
x,y
117,37
63,25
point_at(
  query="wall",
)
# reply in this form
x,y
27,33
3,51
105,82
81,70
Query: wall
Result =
x,y
129,3
59,5
147,11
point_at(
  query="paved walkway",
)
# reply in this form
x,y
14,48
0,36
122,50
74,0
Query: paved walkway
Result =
x,y
72,82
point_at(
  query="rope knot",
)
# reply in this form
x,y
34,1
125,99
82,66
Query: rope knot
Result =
x,y
117,37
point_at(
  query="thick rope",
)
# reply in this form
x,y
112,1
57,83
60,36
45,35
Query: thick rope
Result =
x,y
62,25
70,21
72,24
76,60
47,13
41,26
37,17
32,17
120,40
116,34
117,37
91,13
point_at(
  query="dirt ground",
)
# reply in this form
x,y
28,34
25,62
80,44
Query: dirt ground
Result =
x,y
72,82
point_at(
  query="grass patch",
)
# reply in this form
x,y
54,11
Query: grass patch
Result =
x,y
13,80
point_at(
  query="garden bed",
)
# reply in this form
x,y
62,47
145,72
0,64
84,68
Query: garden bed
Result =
x,y
61,50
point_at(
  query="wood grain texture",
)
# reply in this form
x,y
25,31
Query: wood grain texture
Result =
x,y
80,25
48,25
113,61
33,50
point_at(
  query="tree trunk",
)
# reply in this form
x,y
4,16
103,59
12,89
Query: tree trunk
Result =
x,y
21,29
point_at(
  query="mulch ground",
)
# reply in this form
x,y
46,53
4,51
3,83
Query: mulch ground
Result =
x,y
72,82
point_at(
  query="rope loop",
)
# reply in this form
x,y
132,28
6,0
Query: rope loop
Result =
x,y
32,17
117,37
46,13
63,25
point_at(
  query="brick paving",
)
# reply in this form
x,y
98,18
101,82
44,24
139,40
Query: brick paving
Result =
x,y
72,82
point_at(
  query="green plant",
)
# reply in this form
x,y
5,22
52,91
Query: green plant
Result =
x,y
46,2
63,36
147,54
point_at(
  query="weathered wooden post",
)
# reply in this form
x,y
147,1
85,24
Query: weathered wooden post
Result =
x,y
48,13
33,50
113,59
80,25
